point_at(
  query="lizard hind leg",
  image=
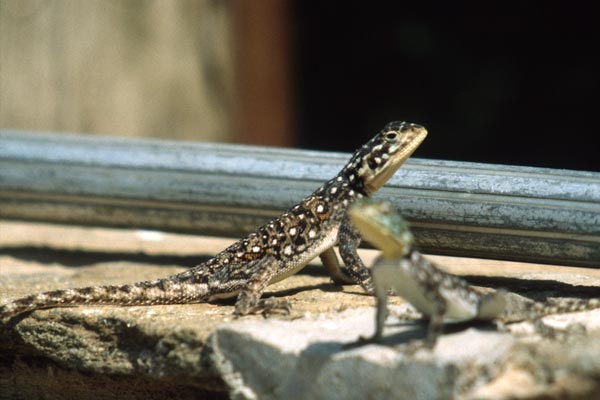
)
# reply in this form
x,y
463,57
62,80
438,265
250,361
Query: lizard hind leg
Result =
x,y
250,279
381,315
436,324
333,268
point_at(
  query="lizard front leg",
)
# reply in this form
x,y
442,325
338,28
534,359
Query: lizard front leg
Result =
x,y
382,288
349,239
434,329
381,294
250,279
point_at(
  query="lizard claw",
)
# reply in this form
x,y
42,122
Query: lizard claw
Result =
x,y
414,346
266,307
274,306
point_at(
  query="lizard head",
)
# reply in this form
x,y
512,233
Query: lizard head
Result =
x,y
375,162
381,225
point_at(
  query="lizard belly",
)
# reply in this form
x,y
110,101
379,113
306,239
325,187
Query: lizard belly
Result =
x,y
298,261
408,286
405,285
458,307
294,264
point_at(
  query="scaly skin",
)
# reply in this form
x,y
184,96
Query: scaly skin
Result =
x,y
274,251
437,294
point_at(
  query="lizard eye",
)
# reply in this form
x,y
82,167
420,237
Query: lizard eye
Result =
x,y
391,136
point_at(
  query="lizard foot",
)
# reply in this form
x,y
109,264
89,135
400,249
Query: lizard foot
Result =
x,y
265,307
414,346
560,335
274,306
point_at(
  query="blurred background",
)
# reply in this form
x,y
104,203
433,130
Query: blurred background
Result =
x,y
507,82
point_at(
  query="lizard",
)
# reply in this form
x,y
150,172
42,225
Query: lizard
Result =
x,y
439,295
274,251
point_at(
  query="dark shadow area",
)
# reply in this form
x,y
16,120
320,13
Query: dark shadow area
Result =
x,y
29,379
536,289
417,330
325,287
82,258
329,287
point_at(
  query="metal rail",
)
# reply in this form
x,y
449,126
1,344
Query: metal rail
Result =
x,y
456,208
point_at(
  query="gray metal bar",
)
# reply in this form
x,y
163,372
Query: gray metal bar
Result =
x,y
456,208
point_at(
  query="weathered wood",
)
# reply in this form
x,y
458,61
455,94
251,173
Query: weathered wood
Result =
x,y
456,208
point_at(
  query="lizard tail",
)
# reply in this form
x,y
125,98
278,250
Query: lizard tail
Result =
x,y
160,291
563,306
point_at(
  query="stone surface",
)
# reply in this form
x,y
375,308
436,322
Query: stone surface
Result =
x,y
314,358
310,358
200,351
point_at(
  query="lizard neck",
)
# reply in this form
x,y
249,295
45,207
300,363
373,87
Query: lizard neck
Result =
x,y
341,191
